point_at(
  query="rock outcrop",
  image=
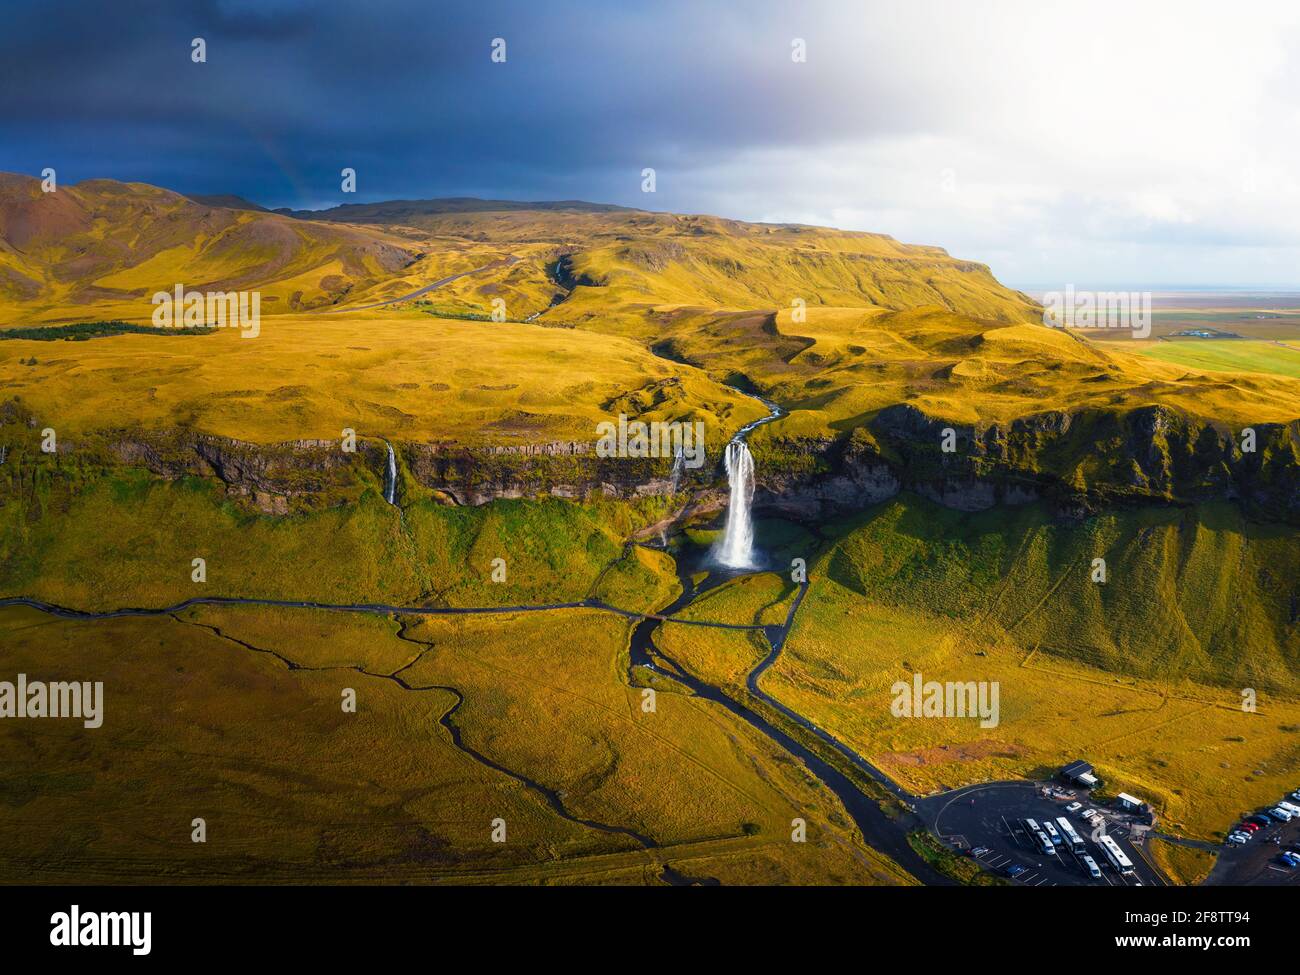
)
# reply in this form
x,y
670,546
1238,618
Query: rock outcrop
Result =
x,y
1080,463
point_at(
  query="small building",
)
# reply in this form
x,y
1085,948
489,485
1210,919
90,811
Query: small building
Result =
x,y
1080,772
1129,803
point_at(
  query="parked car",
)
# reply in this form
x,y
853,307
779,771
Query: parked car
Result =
x,y
977,851
1015,870
1258,821
1290,859
1280,814
1094,871
1074,807
1238,837
1290,807
1089,814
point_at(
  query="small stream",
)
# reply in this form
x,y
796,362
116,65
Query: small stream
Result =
x,y
881,832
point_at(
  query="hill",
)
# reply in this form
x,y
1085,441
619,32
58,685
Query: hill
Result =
x,y
379,317
102,248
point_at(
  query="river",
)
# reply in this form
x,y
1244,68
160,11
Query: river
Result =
x,y
881,831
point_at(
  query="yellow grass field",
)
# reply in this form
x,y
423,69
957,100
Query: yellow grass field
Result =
x,y
400,375
295,789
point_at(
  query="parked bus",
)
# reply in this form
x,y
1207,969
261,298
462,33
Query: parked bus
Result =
x,y
1116,856
1072,838
1052,834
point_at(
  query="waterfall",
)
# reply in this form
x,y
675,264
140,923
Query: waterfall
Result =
x,y
737,549
679,464
390,476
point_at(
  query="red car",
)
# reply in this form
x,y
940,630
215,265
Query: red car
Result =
x,y
1250,827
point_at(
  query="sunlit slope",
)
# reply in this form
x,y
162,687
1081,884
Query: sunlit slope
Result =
x,y
399,375
609,264
837,326
101,249
840,366
711,264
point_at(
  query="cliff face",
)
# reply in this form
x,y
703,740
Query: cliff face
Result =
x,y
566,469
1080,463
1089,460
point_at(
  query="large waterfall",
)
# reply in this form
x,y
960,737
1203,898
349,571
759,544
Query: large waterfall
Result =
x,y
390,476
737,549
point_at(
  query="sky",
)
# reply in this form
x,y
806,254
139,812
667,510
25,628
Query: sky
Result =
x,y
1153,144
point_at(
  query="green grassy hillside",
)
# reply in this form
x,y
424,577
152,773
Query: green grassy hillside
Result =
x,y
1197,593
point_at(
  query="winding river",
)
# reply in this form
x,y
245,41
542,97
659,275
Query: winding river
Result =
x,y
884,832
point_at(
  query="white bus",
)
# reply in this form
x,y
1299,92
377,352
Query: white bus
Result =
x,y
1115,855
1038,837
1074,840
1050,829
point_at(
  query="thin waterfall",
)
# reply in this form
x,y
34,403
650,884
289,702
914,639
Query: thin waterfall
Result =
x,y
390,476
737,549
679,465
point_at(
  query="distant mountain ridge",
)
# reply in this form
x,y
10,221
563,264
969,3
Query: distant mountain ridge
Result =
x,y
387,210
105,244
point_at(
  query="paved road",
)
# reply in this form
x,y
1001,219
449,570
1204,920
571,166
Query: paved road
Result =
x,y
504,262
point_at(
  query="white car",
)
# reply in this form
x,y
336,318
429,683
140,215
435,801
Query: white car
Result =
x,y
1296,794
1089,814
1239,838
1094,871
1074,807
1277,812
1290,807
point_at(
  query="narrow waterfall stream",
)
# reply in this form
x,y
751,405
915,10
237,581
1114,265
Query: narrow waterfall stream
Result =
x,y
390,476
679,465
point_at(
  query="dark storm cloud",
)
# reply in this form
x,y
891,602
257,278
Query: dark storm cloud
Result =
x,y
405,92
1055,144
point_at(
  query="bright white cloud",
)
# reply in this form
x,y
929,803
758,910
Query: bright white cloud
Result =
x,y
1107,142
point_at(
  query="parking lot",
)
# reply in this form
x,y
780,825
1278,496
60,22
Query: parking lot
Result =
x,y
991,816
1256,862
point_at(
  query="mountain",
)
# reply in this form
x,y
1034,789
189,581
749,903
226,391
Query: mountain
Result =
x,y
228,200
641,256
100,248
